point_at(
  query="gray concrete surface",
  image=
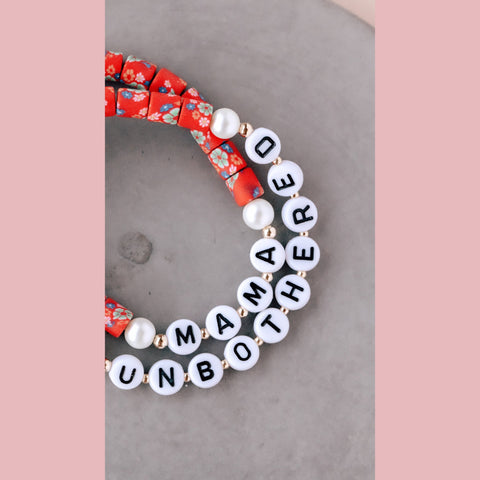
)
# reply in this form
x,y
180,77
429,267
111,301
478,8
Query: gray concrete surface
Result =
x,y
306,410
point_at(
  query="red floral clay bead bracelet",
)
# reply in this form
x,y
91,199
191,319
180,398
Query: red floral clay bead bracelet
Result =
x,y
161,98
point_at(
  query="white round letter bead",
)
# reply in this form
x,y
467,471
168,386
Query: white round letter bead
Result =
x,y
292,292
267,255
184,337
255,294
258,213
285,179
299,214
166,377
140,333
241,352
271,325
262,146
205,370
223,322
224,123
303,254
126,372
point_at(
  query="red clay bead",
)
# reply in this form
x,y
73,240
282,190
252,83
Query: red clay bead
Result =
x,y
167,82
109,101
227,160
113,66
195,114
193,93
116,317
164,108
137,73
244,186
132,103
206,139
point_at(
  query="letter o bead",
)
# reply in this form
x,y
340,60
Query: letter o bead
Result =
x,y
205,370
126,372
262,146
299,214
255,294
184,337
242,352
166,377
292,292
271,325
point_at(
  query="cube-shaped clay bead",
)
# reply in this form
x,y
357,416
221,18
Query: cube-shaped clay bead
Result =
x,y
137,73
244,186
164,108
113,66
132,103
193,93
116,317
109,102
227,160
167,82
195,114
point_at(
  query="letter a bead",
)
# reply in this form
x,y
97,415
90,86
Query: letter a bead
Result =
x,y
205,370
267,255
223,322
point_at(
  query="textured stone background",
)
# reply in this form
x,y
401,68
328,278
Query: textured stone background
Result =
x,y
306,410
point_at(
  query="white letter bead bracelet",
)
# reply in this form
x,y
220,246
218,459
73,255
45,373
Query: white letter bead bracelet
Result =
x,y
161,96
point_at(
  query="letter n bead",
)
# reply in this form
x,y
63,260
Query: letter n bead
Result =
x,y
166,377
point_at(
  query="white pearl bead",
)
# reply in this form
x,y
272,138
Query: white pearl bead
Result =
x,y
262,146
224,123
285,179
205,370
184,336
258,214
223,322
299,214
255,294
267,255
126,372
292,292
140,333
165,377
241,352
271,325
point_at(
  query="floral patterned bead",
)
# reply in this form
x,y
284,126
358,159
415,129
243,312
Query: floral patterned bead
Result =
x,y
116,317
109,101
113,65
227,160
244,186
137,73
195,114
167,82
132,103
206,139
164,108
193,93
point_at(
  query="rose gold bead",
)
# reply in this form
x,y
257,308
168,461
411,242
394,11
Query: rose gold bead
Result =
x,y
108,365
243,312
160,340
258,341
186,377
277,161
225,364
295,195
145,378
267,276
284,310
302,274
304,234
245,129
269,232
205,333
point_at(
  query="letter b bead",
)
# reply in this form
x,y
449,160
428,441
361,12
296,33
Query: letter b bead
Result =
x,y
205,370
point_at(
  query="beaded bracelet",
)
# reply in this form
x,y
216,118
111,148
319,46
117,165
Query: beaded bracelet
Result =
x,y
161,98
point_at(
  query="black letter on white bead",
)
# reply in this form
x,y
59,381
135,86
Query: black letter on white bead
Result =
x,y
246,349
253,297
303,255
170,379
303,218
181,336
284,183
271,324
132,376
261,150
226,323
205,370
268,258
290,294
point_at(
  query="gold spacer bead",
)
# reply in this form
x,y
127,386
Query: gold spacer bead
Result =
x,y
295,195
186,377
258,341
160,340
205,333
304,234
267,276
225,364
269,232
243,312
284,310
277,161
145,378
108,365
245,129
302,274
